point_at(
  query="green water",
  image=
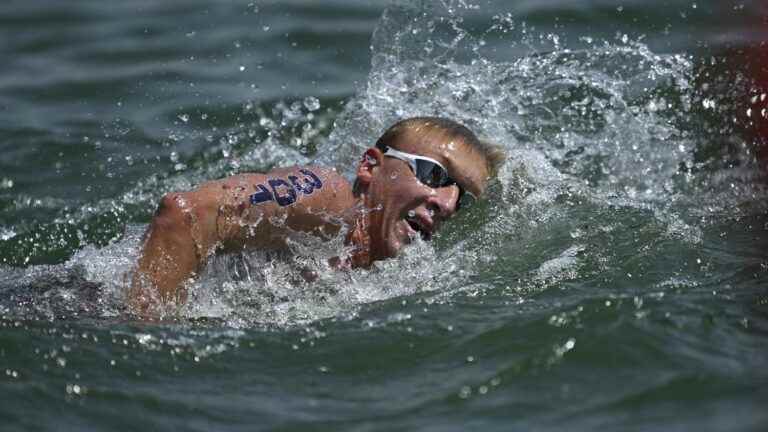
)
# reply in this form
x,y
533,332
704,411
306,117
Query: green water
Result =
x,y
614,279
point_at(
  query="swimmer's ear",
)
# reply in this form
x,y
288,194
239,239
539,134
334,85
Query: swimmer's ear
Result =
x,y
372,158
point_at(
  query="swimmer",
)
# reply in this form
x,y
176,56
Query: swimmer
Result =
x,y
418,174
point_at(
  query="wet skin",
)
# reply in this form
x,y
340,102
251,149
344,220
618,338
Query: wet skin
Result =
x,y
408,208
259,211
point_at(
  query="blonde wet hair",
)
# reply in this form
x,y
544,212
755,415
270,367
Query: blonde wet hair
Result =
x,y
439,129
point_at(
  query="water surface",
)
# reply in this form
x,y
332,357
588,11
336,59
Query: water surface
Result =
x,y
613,279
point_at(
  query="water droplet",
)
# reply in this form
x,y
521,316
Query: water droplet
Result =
x,y
184,117
6,183
242,68
72,389
6,234
312,103
465,392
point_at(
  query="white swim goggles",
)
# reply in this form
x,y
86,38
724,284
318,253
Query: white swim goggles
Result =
x,y
431,173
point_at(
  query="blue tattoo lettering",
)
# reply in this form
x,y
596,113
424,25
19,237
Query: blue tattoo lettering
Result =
x,y
305,189
263,195
283,200
316,183
285,193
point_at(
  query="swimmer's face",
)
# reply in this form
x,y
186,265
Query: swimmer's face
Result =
x,y
405,207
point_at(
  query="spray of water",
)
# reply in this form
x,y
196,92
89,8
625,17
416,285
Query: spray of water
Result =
x,y
605,159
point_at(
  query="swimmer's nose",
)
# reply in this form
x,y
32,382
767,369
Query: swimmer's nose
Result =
x,y
442,203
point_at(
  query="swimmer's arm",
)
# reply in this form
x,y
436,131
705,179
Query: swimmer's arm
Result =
x,y
190,226
167,259
183,232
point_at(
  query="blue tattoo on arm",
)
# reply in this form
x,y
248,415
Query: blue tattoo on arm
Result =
x,y
263,195
316,183
285,193
308,189
283,200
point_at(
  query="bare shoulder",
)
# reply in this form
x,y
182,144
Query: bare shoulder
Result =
x,y
294,191
298,182
318,187
325,174
311,198
308,181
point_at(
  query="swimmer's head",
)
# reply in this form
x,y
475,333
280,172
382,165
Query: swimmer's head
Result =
x,y
416,175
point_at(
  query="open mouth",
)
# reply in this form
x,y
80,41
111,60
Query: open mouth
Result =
x,y
417,228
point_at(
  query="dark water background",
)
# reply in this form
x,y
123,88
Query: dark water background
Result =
x,y
614,280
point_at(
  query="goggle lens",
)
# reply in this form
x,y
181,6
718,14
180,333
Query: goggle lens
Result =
x,y
430,173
